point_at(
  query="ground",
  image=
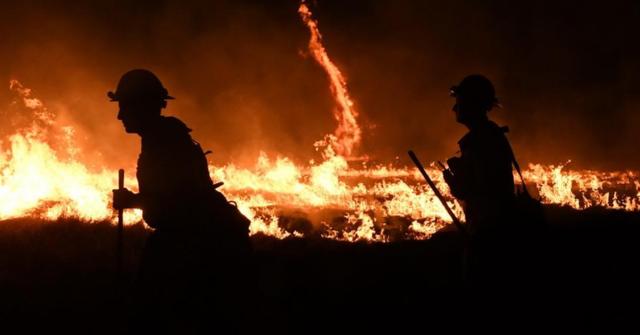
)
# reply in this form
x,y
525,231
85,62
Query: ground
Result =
x,y
59,276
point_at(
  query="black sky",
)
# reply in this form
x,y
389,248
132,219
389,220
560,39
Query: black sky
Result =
x,y
566,72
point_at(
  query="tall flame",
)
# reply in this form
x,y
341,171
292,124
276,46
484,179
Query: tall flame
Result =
x,y
35,179
348,134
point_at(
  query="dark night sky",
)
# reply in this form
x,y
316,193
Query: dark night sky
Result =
x,y
566,71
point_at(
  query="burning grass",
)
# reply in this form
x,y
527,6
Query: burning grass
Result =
x,y
341,196
330,198
316,230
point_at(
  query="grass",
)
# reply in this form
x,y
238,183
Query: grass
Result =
x,y
59,276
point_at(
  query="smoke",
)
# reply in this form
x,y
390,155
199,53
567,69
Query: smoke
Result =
x,y
565,73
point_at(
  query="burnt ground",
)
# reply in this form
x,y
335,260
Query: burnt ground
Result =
x,y
60,277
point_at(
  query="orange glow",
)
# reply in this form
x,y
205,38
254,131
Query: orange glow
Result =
x,y
43,179
37,181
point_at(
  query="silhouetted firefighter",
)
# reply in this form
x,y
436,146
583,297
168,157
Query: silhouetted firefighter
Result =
x,y
482,176
195,263
482,179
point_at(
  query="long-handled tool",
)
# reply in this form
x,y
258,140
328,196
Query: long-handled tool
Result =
x,y
464,260
120,231
416,161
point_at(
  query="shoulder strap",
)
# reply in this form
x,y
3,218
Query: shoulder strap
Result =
x,y
517,167
202,165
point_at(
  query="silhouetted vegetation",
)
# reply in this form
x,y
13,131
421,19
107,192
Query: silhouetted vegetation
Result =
x,y
59,276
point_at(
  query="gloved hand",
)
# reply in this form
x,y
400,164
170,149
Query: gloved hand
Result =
x,y
125,199
454,164
448,177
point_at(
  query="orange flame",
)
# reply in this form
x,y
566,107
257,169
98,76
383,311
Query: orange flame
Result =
x,y
348,134
587,188
42,179
37,180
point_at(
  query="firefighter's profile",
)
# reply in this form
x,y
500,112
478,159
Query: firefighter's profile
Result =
x,y
194,261
481,177
505,226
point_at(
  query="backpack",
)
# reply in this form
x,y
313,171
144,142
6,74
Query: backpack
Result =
x,y
527,210
226,212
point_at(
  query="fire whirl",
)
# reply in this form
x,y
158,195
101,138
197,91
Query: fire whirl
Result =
x,y
348,134
41,177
